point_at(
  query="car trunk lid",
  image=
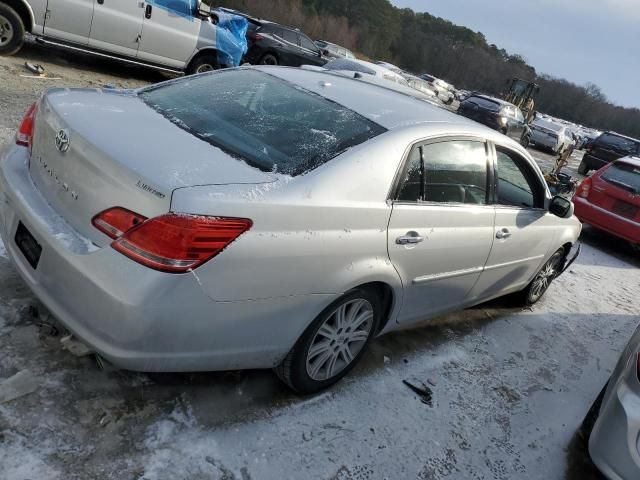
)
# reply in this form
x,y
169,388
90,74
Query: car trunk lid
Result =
x,y
96,149
617,189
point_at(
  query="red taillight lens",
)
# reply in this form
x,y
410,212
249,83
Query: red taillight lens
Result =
x,y
116,221
24,136
178,243
255,37
584,188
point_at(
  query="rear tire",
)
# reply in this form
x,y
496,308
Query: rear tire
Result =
x,y
11,30
583,169
269,59
334,342
541,282
525,141
202,64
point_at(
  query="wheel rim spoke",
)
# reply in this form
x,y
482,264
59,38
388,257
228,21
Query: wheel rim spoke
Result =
x,y
339,339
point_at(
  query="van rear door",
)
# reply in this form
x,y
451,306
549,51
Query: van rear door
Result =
x,y
117,25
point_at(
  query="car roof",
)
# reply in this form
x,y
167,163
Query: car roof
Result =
x,y
635,161
620,135
492,99
388,107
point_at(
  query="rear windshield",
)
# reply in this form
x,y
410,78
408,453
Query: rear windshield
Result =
x,y
484,103
623,175
620,143
269,123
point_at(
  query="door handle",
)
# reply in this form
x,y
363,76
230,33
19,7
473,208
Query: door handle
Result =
x,y
411,238
147,11
503,233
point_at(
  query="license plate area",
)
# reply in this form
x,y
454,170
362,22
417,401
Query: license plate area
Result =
x,y
28,245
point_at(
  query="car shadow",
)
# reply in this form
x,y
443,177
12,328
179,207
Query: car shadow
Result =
x,y
614,246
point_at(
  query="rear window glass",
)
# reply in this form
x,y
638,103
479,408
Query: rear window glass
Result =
x,y
484,103
620,143
271,124
623,175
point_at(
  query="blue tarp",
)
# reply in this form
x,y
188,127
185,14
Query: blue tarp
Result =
x,y
231,38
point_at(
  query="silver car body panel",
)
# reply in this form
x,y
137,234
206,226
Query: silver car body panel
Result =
x,y
314,236
614,444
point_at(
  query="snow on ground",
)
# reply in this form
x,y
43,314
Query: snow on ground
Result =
x,y
509,386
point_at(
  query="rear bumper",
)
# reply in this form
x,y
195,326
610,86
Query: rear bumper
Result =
x,y
605,220
594,163
614,442
538,138
137,318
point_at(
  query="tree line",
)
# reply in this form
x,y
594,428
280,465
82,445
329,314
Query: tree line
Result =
x,y
423,43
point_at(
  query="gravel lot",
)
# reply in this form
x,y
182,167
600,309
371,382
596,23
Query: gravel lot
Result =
x,y
510,387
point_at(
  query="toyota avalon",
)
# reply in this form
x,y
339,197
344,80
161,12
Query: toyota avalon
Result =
x,y
268,217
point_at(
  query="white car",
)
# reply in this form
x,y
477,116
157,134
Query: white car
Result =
x,y
550,135
361,66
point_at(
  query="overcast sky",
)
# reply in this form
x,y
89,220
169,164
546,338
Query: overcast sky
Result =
x,y
580,40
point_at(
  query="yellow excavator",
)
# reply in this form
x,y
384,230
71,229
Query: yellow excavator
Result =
x,y
522,94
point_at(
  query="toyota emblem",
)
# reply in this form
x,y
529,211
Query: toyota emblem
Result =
x,y
62,141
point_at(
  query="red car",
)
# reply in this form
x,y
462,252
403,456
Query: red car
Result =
x,y
610,199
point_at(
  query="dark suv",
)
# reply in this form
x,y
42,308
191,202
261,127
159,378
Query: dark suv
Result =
x,y
605,149
274,44
497,114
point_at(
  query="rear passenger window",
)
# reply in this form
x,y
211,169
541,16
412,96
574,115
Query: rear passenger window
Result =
x,y
517,185
446,172
290,36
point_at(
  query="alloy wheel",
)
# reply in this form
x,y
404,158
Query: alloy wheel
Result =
x,y
339,339
544,278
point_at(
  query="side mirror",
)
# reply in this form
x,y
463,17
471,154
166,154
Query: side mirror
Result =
x,y
204,10
561,207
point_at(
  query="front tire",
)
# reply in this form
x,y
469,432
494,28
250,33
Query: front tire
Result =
x,y
332,345
202,64
525,141
11,30
269,59
541,282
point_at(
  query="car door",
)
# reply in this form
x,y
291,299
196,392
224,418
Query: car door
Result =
x,y
441,229
519,125
524,229
69,20
170,32
309,51
290,53
117,25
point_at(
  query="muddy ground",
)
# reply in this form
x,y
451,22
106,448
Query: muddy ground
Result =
x,y
509,386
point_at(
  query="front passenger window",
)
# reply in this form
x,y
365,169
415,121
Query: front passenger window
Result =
x,y
446,172
517,186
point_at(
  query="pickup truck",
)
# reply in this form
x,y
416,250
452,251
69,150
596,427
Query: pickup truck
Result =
x,y
172,35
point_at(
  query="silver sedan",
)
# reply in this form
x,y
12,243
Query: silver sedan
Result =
x,y
268,218
613,423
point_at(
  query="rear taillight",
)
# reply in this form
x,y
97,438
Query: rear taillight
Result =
x,y
584,188
24,136
116,221
255,37
174,243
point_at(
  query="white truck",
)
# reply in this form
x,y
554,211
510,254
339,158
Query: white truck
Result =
x,y
173,35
